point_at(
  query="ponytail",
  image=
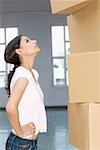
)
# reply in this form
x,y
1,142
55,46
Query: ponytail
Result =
x,y
10,56
9,77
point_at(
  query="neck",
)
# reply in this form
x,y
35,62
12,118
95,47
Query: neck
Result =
x,y
28,63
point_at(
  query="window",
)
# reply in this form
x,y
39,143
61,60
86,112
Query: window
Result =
x,y
60,48
6,35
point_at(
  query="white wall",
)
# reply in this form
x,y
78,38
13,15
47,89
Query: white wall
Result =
x,y
37,26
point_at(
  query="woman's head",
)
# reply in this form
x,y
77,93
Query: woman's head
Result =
x,y
27,48
20,47
18,50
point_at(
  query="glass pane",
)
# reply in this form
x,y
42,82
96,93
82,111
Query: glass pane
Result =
x,y
2,35
9,67
66,33
57,41
67,79
2,62
67,61
59,72
68,48
2,79
10,34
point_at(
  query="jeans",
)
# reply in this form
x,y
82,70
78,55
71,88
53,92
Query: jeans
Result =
x,y
14,142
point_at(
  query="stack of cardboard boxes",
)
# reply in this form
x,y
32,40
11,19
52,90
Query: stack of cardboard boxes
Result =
x,y
83,71
84,100
84,78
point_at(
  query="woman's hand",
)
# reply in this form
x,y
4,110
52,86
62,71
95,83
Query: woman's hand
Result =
x,y
29,130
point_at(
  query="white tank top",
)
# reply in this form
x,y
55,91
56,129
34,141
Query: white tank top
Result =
x,y
31,106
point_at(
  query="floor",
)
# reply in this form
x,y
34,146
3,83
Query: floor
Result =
x,y
55,139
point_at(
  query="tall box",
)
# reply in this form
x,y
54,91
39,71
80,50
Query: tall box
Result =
x,y
84,77
84,125
84,29
68,6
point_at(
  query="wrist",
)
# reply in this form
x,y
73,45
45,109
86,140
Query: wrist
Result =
x,y
20,134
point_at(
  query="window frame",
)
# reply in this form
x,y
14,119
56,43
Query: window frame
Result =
x,y
60,57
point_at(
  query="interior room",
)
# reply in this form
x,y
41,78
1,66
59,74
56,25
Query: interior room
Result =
x,y
34,18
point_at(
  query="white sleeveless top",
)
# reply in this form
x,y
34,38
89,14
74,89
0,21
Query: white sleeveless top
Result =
x,y
31,106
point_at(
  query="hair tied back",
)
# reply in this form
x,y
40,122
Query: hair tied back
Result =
x,y
15,66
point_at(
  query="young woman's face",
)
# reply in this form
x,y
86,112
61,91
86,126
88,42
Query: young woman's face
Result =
x,y
28,46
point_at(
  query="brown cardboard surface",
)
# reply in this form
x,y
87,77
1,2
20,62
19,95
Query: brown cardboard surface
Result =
x,y
68,6
84,77
84,124
84,29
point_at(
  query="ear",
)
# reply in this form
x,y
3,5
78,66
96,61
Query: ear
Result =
x,y
18,51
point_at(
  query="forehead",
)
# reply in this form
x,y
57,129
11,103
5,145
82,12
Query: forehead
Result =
x,y
23,38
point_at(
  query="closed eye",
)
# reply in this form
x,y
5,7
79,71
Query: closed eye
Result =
x,y
27,40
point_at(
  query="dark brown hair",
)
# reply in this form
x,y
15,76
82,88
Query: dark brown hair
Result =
x,y
10,56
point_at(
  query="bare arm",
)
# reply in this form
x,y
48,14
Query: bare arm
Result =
x,y
12,106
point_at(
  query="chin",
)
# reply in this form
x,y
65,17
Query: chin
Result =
x,y
38,49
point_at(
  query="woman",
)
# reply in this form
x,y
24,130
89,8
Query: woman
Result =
x,y
25,107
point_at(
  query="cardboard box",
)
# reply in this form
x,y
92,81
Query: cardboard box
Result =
x,y
84,77
68,6
84,29
84,125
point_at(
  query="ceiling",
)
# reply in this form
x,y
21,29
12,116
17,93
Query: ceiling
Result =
x,y
42,6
